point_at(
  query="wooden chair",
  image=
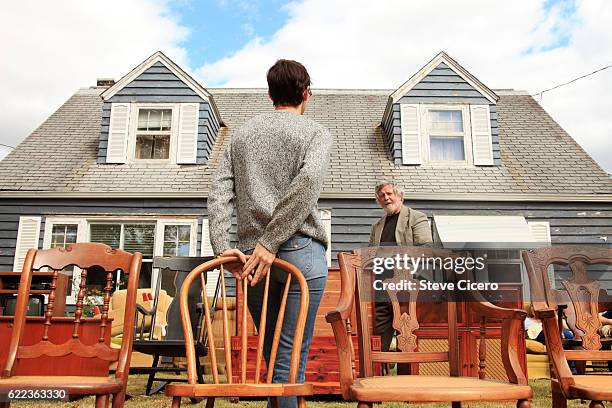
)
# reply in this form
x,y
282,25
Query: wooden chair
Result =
x,y
86,256
173,343
253,387
586,300
356,290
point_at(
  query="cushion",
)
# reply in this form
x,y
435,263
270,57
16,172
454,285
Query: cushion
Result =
x,y
535,347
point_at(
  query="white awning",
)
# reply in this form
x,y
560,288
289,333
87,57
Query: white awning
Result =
x,y
484,231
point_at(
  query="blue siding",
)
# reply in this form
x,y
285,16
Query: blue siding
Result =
x,y
441,85
570,223
159,85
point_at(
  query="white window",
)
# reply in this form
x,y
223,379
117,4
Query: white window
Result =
x,y
447,135
153,132
150,236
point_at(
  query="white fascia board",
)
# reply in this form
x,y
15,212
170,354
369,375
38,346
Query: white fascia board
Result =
x,y
459,70
410,196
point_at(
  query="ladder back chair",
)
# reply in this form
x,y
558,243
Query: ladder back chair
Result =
x,y
57,343
581,298
356,291
255,386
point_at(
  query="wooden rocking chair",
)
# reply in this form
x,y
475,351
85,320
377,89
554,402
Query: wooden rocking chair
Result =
x,y
356,290
252,387
582,299
87,257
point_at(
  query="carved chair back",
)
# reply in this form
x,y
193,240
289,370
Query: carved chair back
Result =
x,y
356,270
87,257
294,276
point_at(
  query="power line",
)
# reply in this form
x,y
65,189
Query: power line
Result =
x,y
541,93
5,145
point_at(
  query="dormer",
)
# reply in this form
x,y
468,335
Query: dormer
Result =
x,y
157,113
442,116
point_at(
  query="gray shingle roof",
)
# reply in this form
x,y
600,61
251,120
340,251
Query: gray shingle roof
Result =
x,y
538,156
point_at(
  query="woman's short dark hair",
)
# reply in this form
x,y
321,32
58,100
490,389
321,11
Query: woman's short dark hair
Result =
x,y
287,81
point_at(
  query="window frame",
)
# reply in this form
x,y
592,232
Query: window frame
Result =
x,y
133,132
424,136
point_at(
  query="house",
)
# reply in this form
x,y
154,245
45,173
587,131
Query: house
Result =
x,y
130,164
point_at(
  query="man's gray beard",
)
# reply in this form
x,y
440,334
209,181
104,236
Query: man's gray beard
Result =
x,y
392,209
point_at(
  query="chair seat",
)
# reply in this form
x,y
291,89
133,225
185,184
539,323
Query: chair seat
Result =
x,y
592,387
238,390
71,384
424,388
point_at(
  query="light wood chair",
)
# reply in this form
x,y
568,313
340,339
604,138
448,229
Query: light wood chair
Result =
x,y
86,256
356,291
251,387
582,298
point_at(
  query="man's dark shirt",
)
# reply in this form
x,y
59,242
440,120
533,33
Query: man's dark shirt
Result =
x,y
387,237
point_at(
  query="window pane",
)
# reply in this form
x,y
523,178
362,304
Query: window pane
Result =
x,y
183,249
154,119
63,234
506,272
139,237
170,232
184,232
176,240
446,121
446,148
153,147
109,234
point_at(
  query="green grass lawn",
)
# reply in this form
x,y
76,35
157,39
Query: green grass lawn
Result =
x,y
137,384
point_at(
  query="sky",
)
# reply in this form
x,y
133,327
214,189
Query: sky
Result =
x,y
52,48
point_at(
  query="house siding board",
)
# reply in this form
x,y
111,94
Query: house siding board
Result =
x,y
443,85
393,134
159,84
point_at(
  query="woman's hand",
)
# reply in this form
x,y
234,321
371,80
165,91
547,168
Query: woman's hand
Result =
x,y
259,264
235,268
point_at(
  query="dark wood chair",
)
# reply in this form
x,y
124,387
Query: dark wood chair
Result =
x,y
357,291
252,387
581,299
173,343
87,257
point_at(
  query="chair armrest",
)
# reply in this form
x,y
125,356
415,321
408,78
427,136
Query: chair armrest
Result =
x,y
143,310
345,351
554,348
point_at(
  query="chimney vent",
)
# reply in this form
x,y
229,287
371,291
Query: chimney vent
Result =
x,y
105,82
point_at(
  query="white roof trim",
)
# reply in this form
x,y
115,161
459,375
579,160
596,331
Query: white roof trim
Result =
x,y
410,196
484,231
159,56
431,65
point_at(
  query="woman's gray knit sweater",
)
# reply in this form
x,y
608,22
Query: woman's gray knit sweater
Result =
x,y
272,172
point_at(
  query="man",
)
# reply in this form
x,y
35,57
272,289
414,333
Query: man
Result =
x,y
272,172
400,226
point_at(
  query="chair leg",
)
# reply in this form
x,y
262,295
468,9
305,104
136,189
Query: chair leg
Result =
x,y
6,404
102,401
152,375
210,402
273,402
301,402
176,402
361,404
119,399
596,404
456,404
558,399
523,404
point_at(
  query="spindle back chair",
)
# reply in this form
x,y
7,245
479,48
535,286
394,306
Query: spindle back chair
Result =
x,y
246,385
86,257
581,298
357,290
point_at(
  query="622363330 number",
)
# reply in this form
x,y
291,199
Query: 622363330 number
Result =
x,y
30,394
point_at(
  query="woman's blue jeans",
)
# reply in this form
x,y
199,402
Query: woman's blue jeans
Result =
x,y
308,256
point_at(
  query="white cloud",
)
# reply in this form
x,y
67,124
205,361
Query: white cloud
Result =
x,y
52,48
369,44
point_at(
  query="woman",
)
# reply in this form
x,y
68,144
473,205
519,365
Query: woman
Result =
x,y
272,174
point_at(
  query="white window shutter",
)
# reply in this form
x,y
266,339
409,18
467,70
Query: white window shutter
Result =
x,y
540,231
188,133
206,249
326,219
27,238
482,144
411,134
118,132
